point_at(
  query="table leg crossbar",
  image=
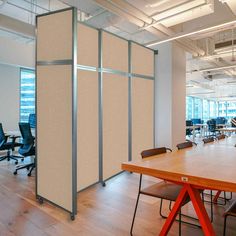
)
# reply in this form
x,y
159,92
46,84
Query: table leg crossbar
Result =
x,y
194,194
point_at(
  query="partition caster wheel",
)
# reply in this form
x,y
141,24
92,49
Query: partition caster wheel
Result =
x,y
72,217
40,200
22,159
15,172
103,184
16,162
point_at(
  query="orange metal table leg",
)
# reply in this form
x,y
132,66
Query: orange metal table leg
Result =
x,y
216,196
201,211
198,206
171,218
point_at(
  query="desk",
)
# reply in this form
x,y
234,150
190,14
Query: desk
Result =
x,y
227,130
194,168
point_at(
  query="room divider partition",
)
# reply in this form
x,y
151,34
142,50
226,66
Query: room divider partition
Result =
x,y
95,106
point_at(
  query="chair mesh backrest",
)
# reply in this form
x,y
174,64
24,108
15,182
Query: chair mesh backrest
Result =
x,y
211,125
26,133
28,139
2,135
208,140
184,145
221,136
154,151
189,123
32,120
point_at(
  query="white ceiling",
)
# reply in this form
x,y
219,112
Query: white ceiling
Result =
x,y
146,21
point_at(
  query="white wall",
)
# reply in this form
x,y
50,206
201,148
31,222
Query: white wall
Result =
x,y
14,54
170,95
9,96
17,53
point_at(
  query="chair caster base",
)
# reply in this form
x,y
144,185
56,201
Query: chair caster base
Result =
x,y
29,174
16,162
15,172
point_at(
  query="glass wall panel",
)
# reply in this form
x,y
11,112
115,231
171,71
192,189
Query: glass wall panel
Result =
x,y
222,109
205,113
189,108
197,108
27,94
231,110
213,109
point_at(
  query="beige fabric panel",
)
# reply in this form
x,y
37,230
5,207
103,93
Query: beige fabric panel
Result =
x,y
54,36
115,52
54,134
115,123
87,46
142,116
87,149
142,60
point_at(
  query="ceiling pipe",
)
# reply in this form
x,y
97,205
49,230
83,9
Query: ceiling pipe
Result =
x,y
116,8
131,10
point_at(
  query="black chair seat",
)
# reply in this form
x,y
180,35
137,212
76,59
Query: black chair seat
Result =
x,y
5,146
231,211
164,190
9,145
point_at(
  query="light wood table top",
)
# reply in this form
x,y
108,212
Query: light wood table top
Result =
x,y
210,166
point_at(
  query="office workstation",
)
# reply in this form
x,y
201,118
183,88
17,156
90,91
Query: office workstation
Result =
x,y
117,119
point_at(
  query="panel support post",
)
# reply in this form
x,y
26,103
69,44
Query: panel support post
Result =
x,y
100,108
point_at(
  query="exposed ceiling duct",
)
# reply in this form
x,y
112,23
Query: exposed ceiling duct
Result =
x,y
132,14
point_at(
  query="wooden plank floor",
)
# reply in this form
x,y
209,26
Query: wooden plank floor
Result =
x,y
103,211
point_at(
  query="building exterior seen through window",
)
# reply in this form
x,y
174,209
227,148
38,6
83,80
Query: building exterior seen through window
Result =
x,y
207,109
27,93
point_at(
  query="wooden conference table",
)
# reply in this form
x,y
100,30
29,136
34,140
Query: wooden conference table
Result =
x,y
209,166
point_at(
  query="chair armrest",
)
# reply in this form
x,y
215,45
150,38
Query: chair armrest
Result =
x,y
14,137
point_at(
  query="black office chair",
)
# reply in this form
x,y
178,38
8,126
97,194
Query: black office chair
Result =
x,y
189,130
27,149
32,120
212,127
163,190
8,146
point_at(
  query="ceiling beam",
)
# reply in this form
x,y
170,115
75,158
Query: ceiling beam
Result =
x,y
12,25
136,16
190,33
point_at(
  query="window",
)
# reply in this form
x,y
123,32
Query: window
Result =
x,y
197,108
231,110
27,94
213,109
222,109
189,108
205,109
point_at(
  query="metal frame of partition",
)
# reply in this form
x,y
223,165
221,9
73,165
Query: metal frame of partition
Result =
x,y
73,63
100,71
130,76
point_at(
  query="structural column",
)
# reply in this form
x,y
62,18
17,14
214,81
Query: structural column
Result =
x,y
170,95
